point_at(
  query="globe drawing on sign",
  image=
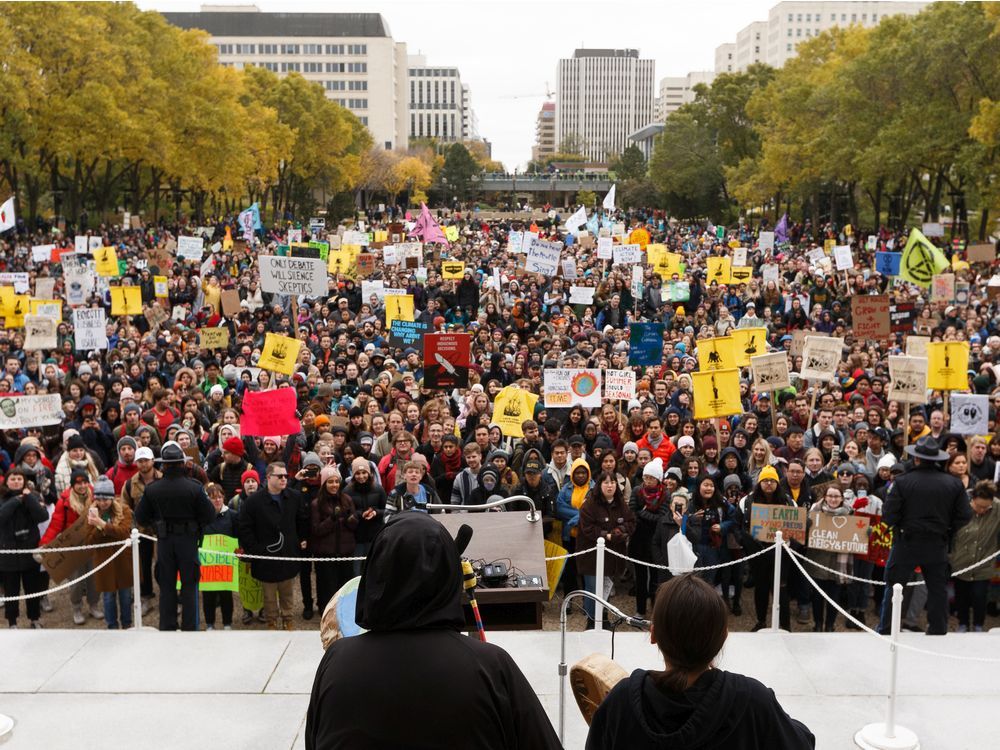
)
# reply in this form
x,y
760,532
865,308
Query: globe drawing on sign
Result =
x,y
584,384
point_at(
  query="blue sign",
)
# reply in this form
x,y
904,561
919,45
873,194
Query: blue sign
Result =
x,y
645,344
406,333
888,264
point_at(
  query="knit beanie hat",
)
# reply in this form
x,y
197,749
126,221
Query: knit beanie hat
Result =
x,y
360,463
104,487
127,440
654,469
630,446
326,473
235,446
249,474
768,472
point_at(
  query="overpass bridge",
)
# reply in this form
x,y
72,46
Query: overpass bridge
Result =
x,y
495,182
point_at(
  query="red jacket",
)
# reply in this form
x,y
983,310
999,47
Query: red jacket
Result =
x,y
62,518
664,451
120,473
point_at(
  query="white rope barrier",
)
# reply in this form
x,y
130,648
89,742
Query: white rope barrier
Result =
x,y
124,546
274,558
47,550
955,574
696,569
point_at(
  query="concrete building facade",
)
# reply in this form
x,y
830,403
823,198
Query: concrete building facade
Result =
x,y
352,55
679,90
438,100
602,95
545,132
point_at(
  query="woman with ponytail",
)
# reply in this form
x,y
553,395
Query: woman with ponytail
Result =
x,y
690,703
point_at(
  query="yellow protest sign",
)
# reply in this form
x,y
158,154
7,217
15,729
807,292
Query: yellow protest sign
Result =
x,y
828,246
716,354
126,300
716,393
342,261
740,274
719,269
748,342
948,365
213,338
452,269
160,287
662,261
227,241
106,261
733,244
6,300
380,235
280,353
17,310
398,307
639,236
451,233
49,308
511,407
921,260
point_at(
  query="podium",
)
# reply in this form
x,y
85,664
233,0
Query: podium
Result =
x,y
508,537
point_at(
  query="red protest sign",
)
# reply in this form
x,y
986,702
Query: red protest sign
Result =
x,y
447,358
269,413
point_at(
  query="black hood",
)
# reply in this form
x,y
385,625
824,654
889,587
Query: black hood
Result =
x,y
731,451
412,578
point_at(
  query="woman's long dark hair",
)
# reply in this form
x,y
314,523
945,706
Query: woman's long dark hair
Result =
x,y
690,625
597,496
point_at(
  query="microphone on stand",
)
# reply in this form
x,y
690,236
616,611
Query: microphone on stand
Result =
x,y
462,539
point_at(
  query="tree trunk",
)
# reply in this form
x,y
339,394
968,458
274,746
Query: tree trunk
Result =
x,y
932,210
984,221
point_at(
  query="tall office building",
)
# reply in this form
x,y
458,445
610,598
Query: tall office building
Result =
x,y
438,99
788,23
352,55
675,91
545,132
602,95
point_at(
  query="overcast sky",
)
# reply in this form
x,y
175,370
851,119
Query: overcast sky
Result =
x,y
510,48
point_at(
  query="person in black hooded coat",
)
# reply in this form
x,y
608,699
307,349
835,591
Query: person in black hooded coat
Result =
x,y
414,680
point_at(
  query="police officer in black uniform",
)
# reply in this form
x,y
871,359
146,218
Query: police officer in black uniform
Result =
x,y
925,507
178,508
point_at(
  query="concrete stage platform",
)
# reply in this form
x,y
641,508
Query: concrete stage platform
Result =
x,y
79,689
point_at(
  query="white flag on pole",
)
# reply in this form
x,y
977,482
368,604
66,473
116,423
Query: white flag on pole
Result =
x,y
609,199
7,218
577,220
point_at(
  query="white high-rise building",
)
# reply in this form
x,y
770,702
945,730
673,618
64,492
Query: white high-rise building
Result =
x,y
602,95
439,102
679,90
788,23
352,55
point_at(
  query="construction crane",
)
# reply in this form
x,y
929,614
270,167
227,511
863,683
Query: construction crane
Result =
x,y
549,93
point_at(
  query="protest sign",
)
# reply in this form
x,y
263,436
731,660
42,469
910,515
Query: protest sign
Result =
x,y
78,282
269,413
981,253
18,280
46,308
739,256
515,242
365,265
106,262
213,338
766,241
61,565
907,379
452,269
398,307
970,413
843,534
219,567
230,303
280,353
190,248
18,412
406,333
770,372
543,257
626,254
948,365
447,359
569,269
374,289
843,258
740,274
126,300
916,346
820,358
676,291
572,387
766,519
943,287
716,393
39,333
770,272
716,354
89,328
512,406
747,343
80,244
901,316
293,276
160,287
645,344
870,316
15,309
581,295
719,269
932,229
605,248
42,253
816,255
887,264
619,385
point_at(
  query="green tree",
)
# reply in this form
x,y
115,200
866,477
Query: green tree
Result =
x,y
685,168
587,198
458,176
630,165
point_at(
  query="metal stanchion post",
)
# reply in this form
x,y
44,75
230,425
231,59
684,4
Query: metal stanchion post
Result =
x,y
888,735
136,599
776,591
599,586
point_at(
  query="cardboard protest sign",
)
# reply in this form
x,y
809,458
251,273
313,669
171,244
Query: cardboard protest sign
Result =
x,y
765,520
572,387
398,307
907,379
821,358
970,413
269,413
645,344
716,354
366,264
213,338
18,412
943,287
293,276
770,372
447,359
719,269
948,365
747,343
452,269
61,565
981,253
219,567
543,257
230,303
89,328
106,262
512,406
190,248
407,333
280,353
845,534
916,346
870,316
46,308
39,333
619,385
45,287
126,300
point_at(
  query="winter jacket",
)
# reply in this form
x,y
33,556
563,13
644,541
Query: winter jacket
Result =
x,y
67,510
267,529
118,574
363,497
20,515
332,525
975,541
598,519
567,510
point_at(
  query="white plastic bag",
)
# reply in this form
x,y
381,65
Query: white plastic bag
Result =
x,y
680,555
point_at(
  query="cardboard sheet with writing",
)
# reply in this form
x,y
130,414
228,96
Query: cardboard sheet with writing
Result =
x,y
870,316
62,565
767,519
844,534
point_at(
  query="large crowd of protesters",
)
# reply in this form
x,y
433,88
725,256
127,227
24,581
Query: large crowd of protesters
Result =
x,y
374,440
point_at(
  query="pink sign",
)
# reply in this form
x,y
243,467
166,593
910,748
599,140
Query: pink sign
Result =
x,y
269,413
